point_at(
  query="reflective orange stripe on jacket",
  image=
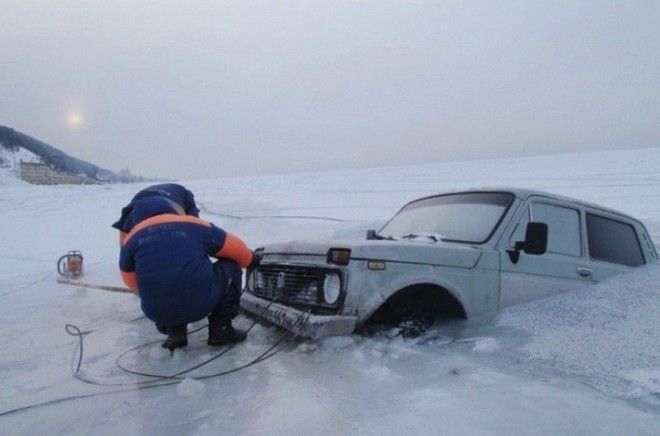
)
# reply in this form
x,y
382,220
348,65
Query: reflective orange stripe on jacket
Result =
x,y
234,248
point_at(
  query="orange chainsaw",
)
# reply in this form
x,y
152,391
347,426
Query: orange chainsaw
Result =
x,y
70,265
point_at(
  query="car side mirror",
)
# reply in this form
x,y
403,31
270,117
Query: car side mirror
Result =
x,y
371,234
536,239
535,243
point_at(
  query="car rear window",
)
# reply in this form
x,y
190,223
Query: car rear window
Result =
x,y
613,241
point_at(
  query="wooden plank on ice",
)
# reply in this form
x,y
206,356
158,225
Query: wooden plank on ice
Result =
x,y
67,281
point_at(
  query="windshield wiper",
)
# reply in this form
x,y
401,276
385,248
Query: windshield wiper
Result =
x,y
372,234
431,236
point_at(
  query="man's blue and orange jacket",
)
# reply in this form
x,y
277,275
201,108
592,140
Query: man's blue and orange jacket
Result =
x,y
165,257
172,191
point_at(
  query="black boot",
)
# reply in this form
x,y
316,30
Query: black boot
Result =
x,y
177,337
221,332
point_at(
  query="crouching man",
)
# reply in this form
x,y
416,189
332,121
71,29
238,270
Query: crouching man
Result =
x,y
164,258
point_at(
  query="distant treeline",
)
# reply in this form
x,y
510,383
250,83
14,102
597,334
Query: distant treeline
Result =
x,y
12,140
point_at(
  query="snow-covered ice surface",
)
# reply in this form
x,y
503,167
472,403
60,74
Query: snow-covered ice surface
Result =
x,y
586,362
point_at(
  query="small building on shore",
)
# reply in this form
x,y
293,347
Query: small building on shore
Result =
x,y
42,174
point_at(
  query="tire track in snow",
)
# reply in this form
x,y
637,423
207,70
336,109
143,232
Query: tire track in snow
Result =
x,y
28,259
242,217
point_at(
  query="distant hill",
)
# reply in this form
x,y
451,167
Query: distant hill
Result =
x,y
14,141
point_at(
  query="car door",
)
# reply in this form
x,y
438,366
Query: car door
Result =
x,y
613,245
560,269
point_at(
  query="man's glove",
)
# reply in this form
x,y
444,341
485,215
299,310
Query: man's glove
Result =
x,y
256,260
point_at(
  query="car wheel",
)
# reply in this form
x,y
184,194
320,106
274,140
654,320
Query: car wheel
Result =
x,y
414,325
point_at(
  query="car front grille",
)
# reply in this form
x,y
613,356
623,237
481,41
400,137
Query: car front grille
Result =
x,y
294,285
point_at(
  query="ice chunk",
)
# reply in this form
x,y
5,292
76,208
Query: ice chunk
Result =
x,y
190,387
486,346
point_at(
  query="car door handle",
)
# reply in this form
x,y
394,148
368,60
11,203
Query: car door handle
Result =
x,y
585,272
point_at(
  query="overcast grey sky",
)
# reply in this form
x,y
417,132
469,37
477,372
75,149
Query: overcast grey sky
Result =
x,y
198,89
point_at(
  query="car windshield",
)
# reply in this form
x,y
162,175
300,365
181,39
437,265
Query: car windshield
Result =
x,y
468,217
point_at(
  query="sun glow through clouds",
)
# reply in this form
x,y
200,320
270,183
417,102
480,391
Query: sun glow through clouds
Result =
x,y
74,119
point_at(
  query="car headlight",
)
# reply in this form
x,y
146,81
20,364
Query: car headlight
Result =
x,y
255,280
331,288
251,280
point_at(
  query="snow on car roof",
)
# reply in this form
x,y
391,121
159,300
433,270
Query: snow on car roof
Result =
x,y
523,194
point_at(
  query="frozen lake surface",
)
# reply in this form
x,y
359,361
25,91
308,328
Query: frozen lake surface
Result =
x,y
587,362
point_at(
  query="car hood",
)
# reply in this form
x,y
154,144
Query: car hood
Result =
x,y
431,253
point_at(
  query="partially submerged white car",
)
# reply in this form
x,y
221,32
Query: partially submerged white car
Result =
x,y
461,254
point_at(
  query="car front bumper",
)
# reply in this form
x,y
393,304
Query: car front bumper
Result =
x,y
302,323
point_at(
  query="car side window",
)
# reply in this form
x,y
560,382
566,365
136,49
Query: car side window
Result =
x,y
563,228
613,241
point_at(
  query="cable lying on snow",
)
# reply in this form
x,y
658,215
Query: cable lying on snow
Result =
x,y
158,379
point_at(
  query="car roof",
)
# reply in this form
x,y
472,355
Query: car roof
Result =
x,y
523,194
